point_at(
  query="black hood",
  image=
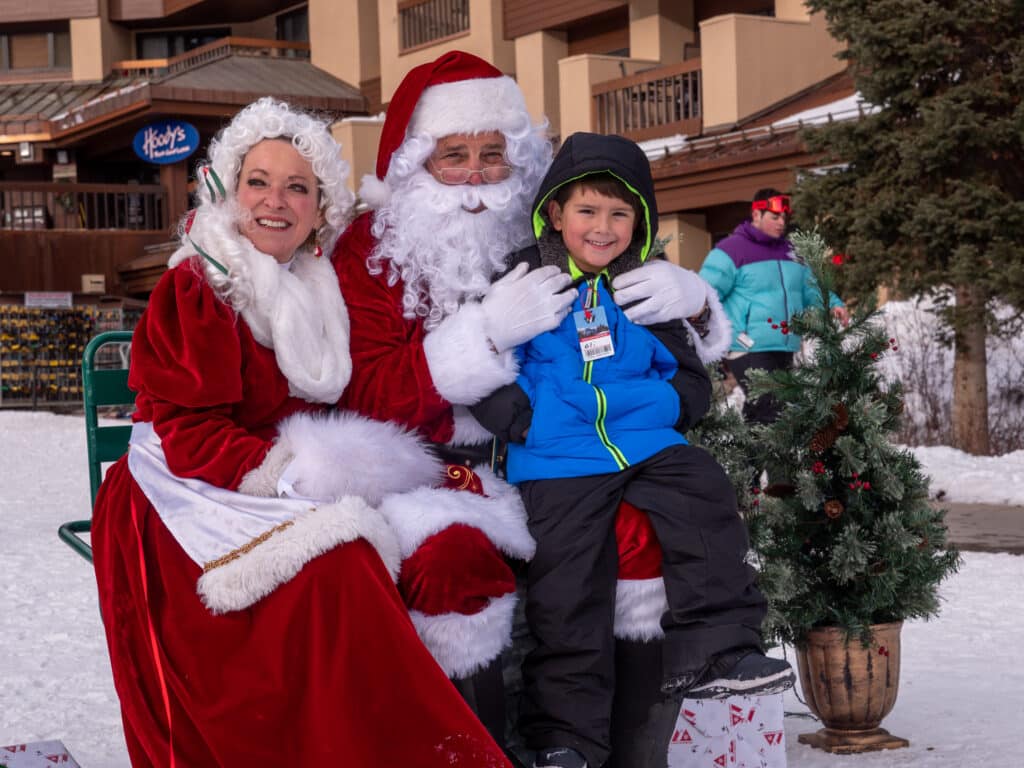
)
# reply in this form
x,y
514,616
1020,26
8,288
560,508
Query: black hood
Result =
x,y
584,154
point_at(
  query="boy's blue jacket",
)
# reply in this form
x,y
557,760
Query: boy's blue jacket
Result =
x,y
603,416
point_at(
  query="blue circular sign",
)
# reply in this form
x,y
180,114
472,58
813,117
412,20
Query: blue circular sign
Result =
x,y
166,142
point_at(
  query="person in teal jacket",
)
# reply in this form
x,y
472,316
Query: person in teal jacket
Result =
x,y
762,286
595,419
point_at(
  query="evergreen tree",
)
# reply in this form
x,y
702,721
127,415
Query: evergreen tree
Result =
x,y
931,192
852,540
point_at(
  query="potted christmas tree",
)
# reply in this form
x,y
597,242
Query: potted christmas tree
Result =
x,y
848,544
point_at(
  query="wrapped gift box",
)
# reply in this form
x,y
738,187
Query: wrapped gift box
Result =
x,y
739,732
38,754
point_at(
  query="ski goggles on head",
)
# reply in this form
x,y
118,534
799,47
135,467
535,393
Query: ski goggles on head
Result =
x,y
777,204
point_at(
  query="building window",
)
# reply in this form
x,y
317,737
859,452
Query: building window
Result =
x,y
165,45
294,26
428,21
36,50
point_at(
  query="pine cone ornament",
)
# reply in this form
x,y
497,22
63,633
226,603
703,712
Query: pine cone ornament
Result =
x,y
834,509
826,437
842,415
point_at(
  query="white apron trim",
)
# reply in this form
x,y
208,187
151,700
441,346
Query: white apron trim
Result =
x,y
248,545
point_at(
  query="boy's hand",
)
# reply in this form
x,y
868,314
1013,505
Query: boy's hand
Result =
x,y
523,304
660,291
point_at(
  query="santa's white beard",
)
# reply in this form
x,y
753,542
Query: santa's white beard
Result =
x,y
443,253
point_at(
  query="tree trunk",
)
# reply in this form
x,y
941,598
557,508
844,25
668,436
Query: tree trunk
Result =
x,y
970,377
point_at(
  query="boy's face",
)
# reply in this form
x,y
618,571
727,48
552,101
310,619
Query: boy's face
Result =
x,y
595,229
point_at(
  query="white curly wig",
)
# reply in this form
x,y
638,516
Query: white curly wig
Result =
x,y
299,311
268,118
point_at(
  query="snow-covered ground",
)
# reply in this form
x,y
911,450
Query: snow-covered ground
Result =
x,y
962,686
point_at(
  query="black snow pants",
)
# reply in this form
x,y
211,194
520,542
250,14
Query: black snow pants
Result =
x,y
714,603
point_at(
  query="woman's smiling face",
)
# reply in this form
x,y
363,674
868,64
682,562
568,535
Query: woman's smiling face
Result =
x,y
278,189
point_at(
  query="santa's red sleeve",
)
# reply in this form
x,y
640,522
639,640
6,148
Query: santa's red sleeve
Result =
x,y
390,376
186,366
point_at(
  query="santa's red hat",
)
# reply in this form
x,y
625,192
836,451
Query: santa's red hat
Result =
x,y
456,93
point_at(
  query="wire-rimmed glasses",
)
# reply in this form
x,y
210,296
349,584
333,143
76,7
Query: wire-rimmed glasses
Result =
x,y
489,174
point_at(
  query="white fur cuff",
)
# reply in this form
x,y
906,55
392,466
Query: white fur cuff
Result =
x,y
463,644
463,365
419,514
241,578
639,606
713,346
262,481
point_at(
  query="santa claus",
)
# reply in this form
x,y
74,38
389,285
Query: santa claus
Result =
x,y
433,328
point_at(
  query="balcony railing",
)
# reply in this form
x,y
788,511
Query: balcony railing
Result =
x,y
42,205
651,104
204,54
423,22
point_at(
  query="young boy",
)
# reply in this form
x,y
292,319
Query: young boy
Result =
x,y
596,418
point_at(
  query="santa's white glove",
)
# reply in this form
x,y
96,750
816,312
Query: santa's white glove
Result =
x,y
663,290
523,304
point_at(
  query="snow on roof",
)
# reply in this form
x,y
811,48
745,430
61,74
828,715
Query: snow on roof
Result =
x,y
655,149
847,108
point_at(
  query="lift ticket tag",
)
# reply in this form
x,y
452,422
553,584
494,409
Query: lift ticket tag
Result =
x,y
593,333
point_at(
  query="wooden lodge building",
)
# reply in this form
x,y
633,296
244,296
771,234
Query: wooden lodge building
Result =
x,y
715,90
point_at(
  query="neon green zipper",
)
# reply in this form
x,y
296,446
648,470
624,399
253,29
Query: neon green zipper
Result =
x,y
602,399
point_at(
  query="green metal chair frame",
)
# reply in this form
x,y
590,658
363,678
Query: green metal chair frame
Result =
x,y
100,387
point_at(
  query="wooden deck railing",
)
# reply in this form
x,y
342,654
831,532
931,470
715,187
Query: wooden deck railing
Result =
x,y
218,49
42,205
426,22
651,104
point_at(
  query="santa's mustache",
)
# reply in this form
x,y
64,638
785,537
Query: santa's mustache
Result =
x,y
456,198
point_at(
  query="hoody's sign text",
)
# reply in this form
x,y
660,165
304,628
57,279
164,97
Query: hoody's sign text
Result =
x,y
166,142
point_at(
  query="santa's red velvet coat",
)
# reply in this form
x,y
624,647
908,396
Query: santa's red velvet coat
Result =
x,y
326,669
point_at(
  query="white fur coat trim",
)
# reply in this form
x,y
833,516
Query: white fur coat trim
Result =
x,y
468,431
247,575
419,514
463,365
463,644
262,481
457,107
713,346
345,454
639,605
374,192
